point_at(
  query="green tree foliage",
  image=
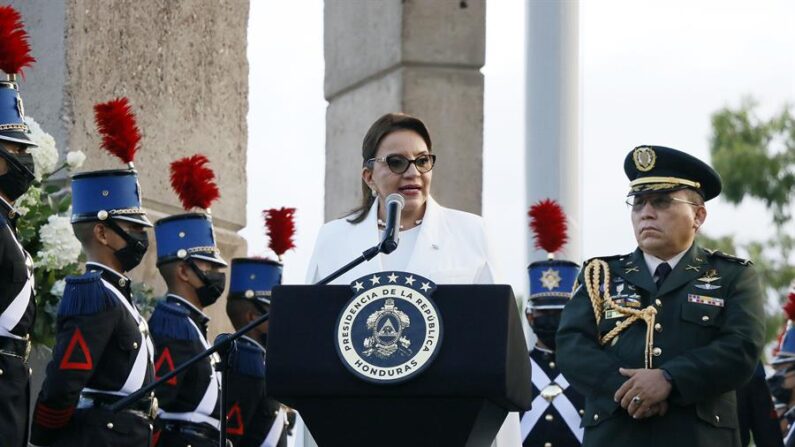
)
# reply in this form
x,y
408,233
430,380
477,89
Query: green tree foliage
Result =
x,y
756,159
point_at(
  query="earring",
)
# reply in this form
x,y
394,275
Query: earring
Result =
x,y
373,192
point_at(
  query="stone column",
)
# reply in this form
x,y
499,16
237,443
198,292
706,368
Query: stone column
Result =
x,y
553,113
182,64
422,57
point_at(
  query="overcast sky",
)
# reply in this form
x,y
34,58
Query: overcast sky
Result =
x,y
651,73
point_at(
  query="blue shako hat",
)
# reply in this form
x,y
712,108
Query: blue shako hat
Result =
x,y
14,58
12,115
254,278
110,194
551,280
551,283
186,236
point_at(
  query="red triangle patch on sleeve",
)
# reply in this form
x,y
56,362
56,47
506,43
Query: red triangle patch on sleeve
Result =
x,y
155,437
165,358
68,363
237,427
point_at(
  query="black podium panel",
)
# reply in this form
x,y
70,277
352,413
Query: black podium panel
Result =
x,y
482,370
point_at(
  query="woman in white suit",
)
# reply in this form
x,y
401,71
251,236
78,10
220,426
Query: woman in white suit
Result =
x,y
444,245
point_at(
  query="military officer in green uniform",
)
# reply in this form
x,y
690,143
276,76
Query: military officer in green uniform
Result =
x,y
658,340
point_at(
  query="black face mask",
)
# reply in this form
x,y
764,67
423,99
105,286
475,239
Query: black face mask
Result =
x,y
214,285
545,327
133,253
19,177
776,385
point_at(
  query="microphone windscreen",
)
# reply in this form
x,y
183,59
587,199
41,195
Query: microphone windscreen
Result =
x,y
395,197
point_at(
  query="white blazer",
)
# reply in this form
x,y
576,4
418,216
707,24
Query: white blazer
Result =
x,y
450,249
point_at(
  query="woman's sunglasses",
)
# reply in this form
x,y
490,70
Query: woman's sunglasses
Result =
x,y
400,164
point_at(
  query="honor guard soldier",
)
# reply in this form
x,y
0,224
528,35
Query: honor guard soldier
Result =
x,y
102,351
254,419
193,270
659,339
17,305
782,383
554,417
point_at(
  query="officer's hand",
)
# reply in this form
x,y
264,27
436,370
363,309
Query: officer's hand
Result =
x,y
643,389
658,409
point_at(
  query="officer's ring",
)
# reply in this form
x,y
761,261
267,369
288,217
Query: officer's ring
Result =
x,y
636,400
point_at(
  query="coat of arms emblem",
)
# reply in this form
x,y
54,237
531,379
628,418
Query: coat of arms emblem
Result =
x,y
390,330
387,325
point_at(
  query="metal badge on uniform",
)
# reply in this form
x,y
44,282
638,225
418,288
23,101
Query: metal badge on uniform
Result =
x,y
708,300
707,280
644,158
390,330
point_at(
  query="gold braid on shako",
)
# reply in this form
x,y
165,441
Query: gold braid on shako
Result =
x,y
592,273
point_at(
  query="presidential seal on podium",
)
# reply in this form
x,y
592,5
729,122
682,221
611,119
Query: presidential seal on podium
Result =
x,y
391,330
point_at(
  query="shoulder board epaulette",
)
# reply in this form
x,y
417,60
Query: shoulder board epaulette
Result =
x,y
604,258
172,321
729,257
85,295
249,360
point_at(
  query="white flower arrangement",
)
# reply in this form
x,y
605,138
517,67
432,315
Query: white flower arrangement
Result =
x,y
31,198
60,248
75,159
45,154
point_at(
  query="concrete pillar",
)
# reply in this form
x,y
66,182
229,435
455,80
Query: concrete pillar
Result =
x,y
553,114
182,64
421,57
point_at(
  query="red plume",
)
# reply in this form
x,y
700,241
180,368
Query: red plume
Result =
x,y
194,182
281,229
548,222
116,122
14,46
789,306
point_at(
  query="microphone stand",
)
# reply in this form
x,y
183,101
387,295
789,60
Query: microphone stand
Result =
x,y
225,344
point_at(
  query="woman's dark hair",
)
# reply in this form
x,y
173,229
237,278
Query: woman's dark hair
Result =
x,y
382,127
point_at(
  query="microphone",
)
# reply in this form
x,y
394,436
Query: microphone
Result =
x,y
394,206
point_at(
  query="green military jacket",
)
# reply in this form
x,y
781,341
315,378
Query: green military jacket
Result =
x,y
708,334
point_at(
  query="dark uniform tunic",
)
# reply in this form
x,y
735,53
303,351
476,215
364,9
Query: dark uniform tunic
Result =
x,y
254,419
708,335
102,352
554,418
17,312
189,404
